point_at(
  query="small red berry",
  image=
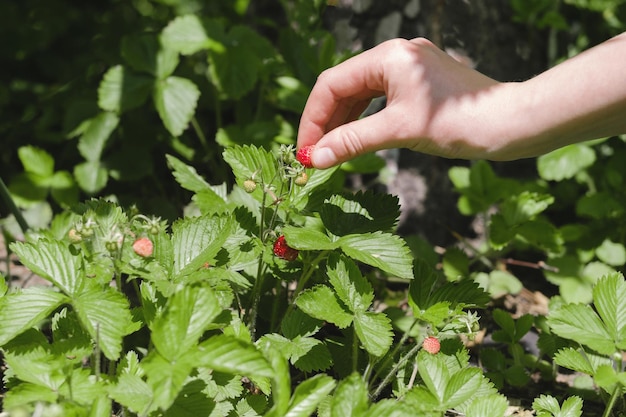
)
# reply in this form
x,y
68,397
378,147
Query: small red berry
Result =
x,y
143,247
304,156
431,345
283,250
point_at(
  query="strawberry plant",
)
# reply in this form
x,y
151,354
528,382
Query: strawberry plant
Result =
x,y
258,302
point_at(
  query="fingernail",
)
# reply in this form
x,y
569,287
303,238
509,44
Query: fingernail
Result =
x,y
324,157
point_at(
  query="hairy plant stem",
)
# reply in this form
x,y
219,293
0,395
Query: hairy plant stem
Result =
x,y
256,289
394,371
396,348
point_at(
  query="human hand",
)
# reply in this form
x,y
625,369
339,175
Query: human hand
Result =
x,y
435,105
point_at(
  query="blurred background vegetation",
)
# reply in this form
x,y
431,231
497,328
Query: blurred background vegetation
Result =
x,y
84,111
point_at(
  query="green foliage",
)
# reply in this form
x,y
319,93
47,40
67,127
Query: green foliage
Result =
x,y
161,77
159,96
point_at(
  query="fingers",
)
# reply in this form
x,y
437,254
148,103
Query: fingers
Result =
x,y
352,139
340,95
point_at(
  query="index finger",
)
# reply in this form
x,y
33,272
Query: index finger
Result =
x,y
340,94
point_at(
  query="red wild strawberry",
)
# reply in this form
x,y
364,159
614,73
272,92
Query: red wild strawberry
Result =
x,y
304,156
143,247
283,250
431,345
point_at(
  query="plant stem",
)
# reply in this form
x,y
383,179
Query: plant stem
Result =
x,y
305,278
256,289
611,404
394,371
6,196
200,133
398,346
355,350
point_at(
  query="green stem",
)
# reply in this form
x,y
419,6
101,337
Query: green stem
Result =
x,y
200,133
256,289
397,347
305,278
8,200
611,404
355,350
394,371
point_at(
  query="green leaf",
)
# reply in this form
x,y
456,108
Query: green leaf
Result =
x,y
230,355
565,162
121,90
25,394
350,286
248,161
187,315
289,93
105,314
493,405
297,323
198,240
309,394
235,63
310,355
186,175
599,205
434,373
185,34
350,398
581,323
320,302
165,379
96,134
455,264
144,53
192,401
306,238
374,330
382,250
360,213
91,176
609,295
176,99
20,311
611,253
572,406
52,260
64,189
36,161
462,386
522,207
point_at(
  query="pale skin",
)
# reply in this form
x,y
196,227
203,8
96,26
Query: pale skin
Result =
x,y
438,106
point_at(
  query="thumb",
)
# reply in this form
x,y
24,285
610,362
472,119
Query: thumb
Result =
x,y
353,139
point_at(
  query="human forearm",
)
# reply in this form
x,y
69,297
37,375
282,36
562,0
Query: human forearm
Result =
x,y
580,99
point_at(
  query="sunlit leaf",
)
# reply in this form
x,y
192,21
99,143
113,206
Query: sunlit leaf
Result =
x,y
321,303
121,89
374,330
187,314
382,250
20,311
565,162
52,260
176,99
105,314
